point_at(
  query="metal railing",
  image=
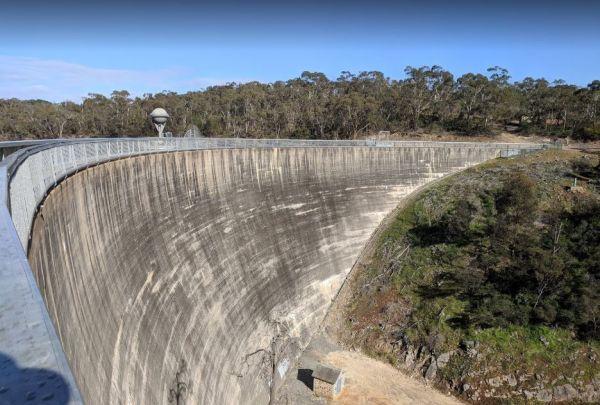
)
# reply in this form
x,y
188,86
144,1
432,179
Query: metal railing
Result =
x,y
40,168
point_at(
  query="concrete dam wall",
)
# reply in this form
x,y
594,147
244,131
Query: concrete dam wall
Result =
x,y
205,256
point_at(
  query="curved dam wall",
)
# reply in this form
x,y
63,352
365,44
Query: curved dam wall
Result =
x,y
208,256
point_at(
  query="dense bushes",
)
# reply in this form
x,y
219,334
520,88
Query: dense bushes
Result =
x,y
511,243
517,263
587,134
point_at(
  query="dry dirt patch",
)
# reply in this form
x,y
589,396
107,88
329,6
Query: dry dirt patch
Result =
x,y
372,382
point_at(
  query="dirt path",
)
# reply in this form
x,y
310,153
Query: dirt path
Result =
x,y
367,381
372,382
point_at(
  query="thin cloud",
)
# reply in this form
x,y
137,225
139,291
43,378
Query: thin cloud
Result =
x,y
56,80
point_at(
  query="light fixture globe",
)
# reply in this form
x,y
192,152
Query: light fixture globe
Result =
x,y
159,118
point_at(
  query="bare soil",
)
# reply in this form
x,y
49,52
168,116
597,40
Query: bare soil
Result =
x,y
372,382
367,381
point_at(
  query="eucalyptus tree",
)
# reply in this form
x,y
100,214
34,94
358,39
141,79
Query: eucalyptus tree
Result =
x,y
505,99
536,105
441,84
313,106
474,95
417,93
591,101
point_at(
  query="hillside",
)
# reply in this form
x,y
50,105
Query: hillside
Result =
x,y
487,283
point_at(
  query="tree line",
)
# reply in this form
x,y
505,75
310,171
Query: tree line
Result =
x,y
312,106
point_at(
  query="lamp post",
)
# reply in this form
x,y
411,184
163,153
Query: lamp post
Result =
x,y
159,118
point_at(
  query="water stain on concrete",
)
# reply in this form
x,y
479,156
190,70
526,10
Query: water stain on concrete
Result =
x,y
149,260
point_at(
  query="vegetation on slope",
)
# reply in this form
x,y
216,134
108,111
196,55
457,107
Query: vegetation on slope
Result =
x,y
312,106
489,282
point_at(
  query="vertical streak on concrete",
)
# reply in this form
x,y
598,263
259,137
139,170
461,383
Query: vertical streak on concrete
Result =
x,y
148,260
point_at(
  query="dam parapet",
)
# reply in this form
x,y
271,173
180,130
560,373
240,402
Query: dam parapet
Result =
x,y
231,232
41,167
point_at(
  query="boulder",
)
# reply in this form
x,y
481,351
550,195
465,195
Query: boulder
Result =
x,y
544,395
443,359
590,394
511,380
495,382
564,393
411,357
431,371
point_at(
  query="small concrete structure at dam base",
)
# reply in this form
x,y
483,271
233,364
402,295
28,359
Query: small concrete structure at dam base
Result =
x,y
222,254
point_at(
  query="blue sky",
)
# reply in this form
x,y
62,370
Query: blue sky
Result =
x,y
65,49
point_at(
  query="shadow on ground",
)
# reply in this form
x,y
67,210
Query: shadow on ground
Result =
x,y
305,376
30,385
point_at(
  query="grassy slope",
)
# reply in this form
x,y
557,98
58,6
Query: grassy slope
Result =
x,y
388,306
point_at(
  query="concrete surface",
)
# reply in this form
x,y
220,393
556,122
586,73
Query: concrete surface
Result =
x,y
197,255
36,169
33,366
